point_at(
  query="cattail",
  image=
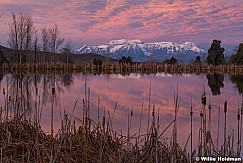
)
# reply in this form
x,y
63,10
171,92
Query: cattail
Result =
x,y
149,106
103,122
209,107
225,121
218,126
36,91
238,119
141,115
53,91
242,107
225,106
209,117
153,112
238,115
203,97
240,130
201,114
191,114
201,135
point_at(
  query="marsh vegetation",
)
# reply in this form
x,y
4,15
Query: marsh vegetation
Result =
x,y
87,130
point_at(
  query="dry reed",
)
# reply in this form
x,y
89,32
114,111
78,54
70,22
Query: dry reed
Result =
x,y
22,140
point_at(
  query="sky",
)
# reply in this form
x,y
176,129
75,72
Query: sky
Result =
x,y
100,21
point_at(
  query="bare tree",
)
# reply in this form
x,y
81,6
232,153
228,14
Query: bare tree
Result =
x,y
67,50
45,43
13,33
45,39
51,40
55,40
35,47
21,31
29,31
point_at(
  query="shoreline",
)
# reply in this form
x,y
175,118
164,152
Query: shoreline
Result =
x,y
115,68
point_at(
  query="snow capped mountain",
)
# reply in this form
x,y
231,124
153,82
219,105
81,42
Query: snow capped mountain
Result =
x,y
140,51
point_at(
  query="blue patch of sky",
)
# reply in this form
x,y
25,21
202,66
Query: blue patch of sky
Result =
x,y
135,25
92,7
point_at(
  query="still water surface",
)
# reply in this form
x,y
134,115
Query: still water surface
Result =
x,y
129,92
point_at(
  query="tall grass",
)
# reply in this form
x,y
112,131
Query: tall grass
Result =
x,y
23,140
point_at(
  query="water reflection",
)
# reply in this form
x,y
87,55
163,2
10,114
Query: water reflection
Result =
x,y
215,82
1,76
36,90
28,89
238,80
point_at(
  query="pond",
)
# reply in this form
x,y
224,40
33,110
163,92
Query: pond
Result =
x,y
136,96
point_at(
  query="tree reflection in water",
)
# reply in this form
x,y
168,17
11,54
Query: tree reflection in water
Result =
x,y
238,80
31,91
215,82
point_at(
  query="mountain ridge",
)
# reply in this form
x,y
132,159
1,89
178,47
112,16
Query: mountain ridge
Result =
x,y
141,51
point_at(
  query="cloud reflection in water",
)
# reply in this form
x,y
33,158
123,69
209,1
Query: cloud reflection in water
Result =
x,y
131,90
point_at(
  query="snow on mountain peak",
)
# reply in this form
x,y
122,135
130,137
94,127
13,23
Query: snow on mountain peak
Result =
x,y
192,46
189,43
141,51
124,41
83,47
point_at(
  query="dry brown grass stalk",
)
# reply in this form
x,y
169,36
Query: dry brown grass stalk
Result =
x,y
22,140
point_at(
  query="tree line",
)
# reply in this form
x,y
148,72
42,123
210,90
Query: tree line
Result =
x,y
216,55
25,39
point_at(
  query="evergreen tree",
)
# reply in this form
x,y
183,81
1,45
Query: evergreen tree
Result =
x,y
197,60
126,60
238,57
215,53
97,62
172,61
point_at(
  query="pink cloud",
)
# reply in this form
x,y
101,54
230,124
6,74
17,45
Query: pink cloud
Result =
x,y
89,22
